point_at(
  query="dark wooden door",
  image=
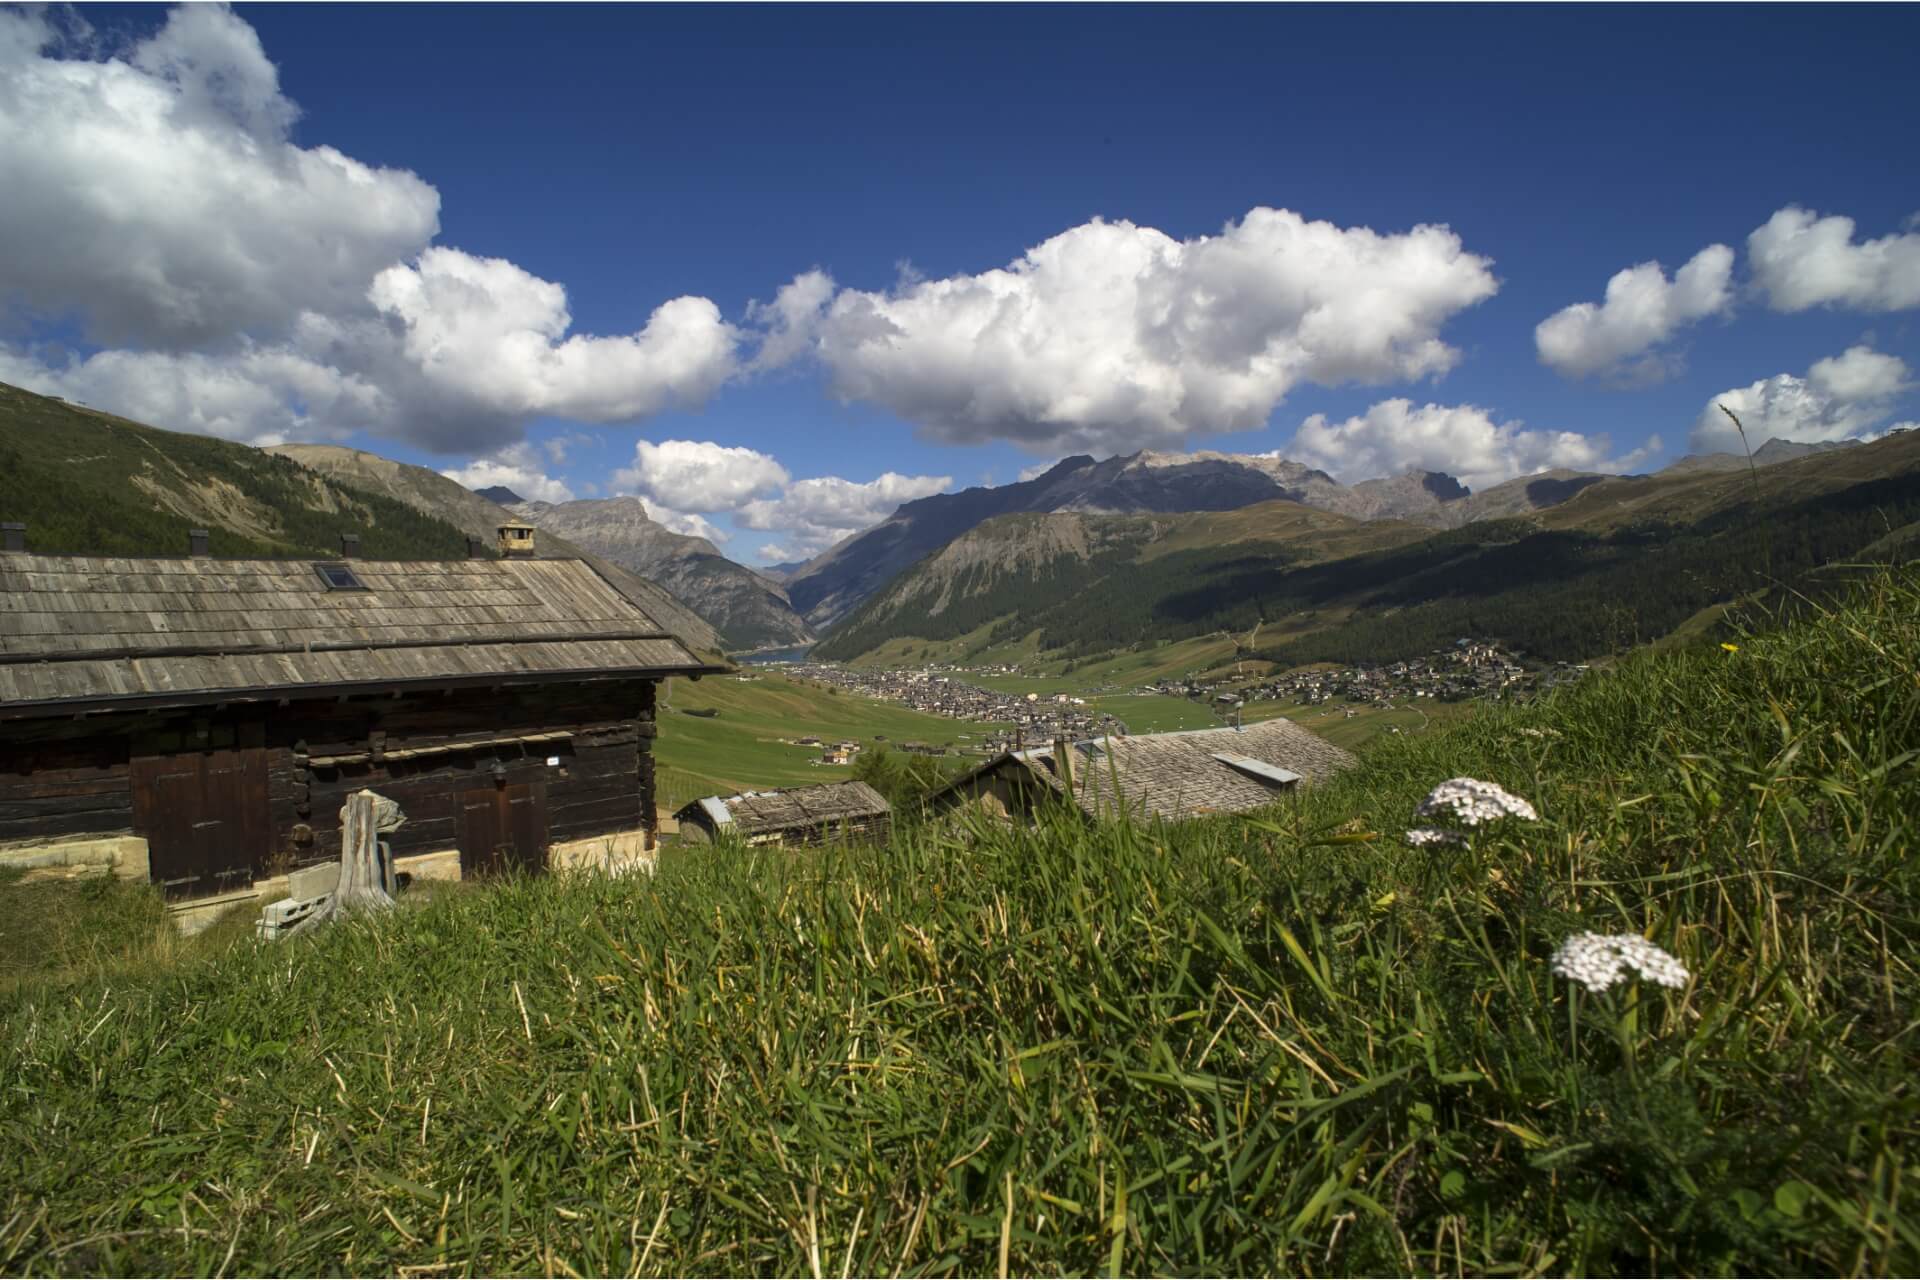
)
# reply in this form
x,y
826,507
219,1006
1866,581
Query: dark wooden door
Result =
x,y
502,828
203,810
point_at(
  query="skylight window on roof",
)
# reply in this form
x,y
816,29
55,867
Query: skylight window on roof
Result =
x,y
340,577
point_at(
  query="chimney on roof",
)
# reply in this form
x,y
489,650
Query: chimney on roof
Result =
x,y
516,541
13,536
349,545
476,548
197,542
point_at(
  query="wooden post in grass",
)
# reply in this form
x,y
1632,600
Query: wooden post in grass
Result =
x,y
367,881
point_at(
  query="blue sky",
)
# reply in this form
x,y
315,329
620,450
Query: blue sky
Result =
x,y
435,232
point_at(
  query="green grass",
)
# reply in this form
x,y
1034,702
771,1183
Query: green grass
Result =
x,y
743,748
64,929
1366,723
1290,1045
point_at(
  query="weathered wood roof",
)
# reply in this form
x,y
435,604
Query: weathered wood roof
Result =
x,y
757,812
1180,775
90,629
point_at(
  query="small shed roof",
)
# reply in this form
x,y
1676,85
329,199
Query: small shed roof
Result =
x,y
758,812
89,631
1180,775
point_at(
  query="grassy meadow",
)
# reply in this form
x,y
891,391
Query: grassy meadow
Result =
x,y
1331,719
745,745
1288,1043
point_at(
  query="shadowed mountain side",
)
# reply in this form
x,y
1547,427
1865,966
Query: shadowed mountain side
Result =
x,y
750,610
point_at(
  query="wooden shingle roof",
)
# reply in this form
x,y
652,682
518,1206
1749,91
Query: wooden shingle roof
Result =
x,y
1182,775
759,812
106,630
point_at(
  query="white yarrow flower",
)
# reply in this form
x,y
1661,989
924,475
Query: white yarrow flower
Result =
x,y
1596,961
1470,801
1421,836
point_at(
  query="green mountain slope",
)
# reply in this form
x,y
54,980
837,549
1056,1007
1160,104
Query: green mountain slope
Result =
x,y
86,481
1621,561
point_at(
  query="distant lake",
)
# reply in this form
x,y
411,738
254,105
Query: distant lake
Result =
x,y
760,657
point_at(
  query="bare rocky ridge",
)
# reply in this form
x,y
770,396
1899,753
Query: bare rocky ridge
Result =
x,y
429,491
1770,454
749,609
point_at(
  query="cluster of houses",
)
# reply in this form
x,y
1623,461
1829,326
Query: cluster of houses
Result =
x,y
201,723
837,753
1023,718
1465,670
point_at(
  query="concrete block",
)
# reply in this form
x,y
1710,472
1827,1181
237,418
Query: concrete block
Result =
x,y
123,855
313,882
441,864
280,918
620,852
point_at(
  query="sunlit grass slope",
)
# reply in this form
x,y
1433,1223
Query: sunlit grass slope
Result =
x,y
1292,1046
746,746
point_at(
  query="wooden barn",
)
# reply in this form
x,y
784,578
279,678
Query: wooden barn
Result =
x,y
218,712
1150,775
798,816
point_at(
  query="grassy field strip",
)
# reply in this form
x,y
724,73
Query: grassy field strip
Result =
x,y
1366,723
748,743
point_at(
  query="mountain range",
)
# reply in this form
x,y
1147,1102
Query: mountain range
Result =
x,y
1556,564
1088,554
832,585
749,609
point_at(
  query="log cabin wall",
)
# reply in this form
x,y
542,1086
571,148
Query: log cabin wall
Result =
x,y
53,789
427,751
108,775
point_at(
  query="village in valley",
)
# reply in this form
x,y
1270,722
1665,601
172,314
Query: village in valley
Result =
x,y
1469,670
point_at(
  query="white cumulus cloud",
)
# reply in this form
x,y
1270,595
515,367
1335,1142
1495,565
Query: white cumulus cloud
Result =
x,y
790,322
1642,309
518,467
157,195
816,513
261,395
249,286
486,330
1841,397
699,475
1802,260
1462,440
691,523
1111,336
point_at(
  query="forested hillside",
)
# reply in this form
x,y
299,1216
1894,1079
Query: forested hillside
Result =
x,y
85,481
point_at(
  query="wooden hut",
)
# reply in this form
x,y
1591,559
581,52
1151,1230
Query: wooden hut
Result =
x,y
1154,775
215,714
797,816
